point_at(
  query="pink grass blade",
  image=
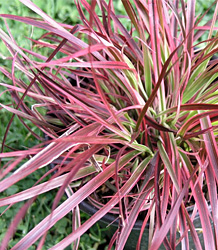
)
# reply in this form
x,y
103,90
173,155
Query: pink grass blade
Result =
x,y
201,204
213,21
192,106
193,232
189,26
90,140
30,93
131,13
80,53
37,10
155,36
185,127
26,116
168,165
144,225
17,218
43,158
95,64
161,233
196,134
212,188
45,187
211,145
204,217
40,24
126,230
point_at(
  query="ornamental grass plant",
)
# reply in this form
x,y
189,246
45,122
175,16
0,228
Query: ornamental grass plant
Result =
x,y
128,104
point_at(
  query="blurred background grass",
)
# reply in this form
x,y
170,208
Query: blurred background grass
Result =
x,y
20,138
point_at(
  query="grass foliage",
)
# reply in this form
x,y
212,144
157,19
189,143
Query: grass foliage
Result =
x,y
129,104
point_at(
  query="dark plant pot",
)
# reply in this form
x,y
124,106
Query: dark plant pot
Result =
x,y
110,221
